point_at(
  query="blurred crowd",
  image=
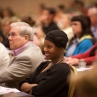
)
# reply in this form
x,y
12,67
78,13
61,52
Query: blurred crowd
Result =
x,y
77,21
49,18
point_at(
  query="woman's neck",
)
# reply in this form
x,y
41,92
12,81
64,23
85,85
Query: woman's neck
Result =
x,y
57,60
78,36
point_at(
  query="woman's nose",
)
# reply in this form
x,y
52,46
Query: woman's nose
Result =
x,y
45,49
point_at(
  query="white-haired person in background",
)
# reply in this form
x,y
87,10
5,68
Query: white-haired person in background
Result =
x,y
92,13
27,56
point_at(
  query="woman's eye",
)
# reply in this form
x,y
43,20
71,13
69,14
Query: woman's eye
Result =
x,y
49,46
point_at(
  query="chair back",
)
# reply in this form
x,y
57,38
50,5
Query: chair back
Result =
x,y
72,84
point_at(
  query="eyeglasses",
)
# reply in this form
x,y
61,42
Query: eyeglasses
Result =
x,y
13,34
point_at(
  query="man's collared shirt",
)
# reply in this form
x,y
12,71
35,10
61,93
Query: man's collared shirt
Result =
x,y
19,50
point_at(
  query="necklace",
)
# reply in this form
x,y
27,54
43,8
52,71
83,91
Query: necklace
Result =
x,y
58,61
52,64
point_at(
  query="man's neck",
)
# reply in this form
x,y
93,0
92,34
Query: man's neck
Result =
x,y
19,50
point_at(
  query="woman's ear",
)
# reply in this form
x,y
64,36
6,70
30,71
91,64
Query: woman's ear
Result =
x,y
62,49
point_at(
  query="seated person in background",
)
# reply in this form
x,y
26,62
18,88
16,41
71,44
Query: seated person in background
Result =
x,y
6,29
1,32
92,13
82,39
4,57
88,56
50,79
27,56
65,24
31,22
48,23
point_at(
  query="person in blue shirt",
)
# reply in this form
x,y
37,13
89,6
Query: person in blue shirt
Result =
x,y
83,37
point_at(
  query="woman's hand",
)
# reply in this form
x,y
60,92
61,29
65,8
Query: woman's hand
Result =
x,y
32,86
71,61
26,87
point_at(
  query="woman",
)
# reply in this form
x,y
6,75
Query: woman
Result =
x,y
6,29
83,37
50,78
88,56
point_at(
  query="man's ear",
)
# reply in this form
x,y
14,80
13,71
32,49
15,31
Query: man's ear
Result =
x,y
26,37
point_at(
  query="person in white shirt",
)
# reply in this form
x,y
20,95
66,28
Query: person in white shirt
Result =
x,y
4,57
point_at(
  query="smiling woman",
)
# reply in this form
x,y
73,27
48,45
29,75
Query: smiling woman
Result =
x,y
50,78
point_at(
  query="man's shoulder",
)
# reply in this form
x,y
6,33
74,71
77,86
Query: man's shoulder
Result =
x,y
32,51
31,48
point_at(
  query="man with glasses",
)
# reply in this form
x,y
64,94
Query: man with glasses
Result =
x,y
27,56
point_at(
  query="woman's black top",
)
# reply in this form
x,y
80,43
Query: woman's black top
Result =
x,y
52,82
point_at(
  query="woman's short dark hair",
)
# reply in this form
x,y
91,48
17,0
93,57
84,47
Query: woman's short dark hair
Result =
x,y
58,37
85,23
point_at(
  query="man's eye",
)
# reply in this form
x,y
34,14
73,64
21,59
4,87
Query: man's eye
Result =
x,y
13,34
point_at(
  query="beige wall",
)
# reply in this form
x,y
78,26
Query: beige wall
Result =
x,y
24,7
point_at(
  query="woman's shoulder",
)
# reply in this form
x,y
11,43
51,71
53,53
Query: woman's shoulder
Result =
x,y
86,41
62,67
43,64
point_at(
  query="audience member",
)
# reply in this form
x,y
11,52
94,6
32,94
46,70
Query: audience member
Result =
x,y
0,12
48,24
7,13
41,7
75,7
65,25
31,22
27,56
4,57
61,9
83,38
88,56
51,77
6,29
92,13
1,32
27,19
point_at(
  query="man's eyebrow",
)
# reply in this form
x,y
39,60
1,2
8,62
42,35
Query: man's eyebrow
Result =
x,y
12,32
